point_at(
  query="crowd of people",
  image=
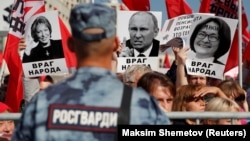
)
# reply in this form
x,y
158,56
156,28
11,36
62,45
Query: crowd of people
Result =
x,y
101,97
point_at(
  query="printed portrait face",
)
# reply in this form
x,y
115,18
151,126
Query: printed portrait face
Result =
x,y
142,30
43,33
207,40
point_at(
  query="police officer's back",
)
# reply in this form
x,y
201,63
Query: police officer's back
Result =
x,y
86,106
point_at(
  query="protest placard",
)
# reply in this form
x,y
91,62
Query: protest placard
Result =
x,y
139,33
44,52
209,39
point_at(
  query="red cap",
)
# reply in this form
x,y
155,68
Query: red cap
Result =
x,y
4,107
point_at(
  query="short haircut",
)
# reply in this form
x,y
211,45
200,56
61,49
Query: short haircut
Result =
x,y
39,20
155,21
224,36
150,80
232,88
129,74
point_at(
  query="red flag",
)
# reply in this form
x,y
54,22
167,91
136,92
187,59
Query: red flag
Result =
x,y
233,59
123,7
22,11
228,9
69,56
204,6
246,39
246,53
137,5
166,61
1,58
177,8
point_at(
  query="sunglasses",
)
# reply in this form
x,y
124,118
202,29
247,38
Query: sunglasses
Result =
x,y
241,97
206,98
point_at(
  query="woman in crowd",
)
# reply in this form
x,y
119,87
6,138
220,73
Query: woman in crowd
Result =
x,y
219,104
193,98
235,92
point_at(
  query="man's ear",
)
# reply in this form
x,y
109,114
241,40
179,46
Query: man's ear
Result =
x,y
71,44
117,42
156,31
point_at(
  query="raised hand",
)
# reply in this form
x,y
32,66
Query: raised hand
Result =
x,y
125,51
21,45
180,55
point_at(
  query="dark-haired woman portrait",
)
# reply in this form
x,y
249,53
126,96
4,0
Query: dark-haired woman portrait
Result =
x,y
210,40
46,47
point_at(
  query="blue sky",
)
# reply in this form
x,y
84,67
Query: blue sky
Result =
x,y
159,5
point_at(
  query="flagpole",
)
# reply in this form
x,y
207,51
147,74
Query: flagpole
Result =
x,y
240,41
2,70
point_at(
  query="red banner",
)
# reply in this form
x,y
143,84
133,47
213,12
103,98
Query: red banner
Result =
x,y
69,56
228,9
22,11
177,8
137,5
246,54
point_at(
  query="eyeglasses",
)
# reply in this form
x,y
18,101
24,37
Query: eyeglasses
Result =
x,y
196,99
211,38
206,98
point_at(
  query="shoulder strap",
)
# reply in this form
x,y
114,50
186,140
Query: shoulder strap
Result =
x,y
124,113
